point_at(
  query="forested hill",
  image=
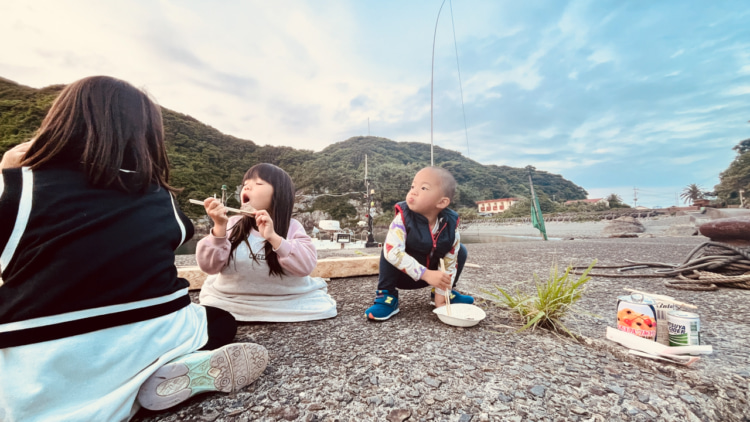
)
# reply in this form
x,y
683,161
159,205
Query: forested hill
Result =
x,y
204,159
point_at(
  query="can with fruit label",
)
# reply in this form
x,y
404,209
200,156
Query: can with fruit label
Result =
x,y
636,314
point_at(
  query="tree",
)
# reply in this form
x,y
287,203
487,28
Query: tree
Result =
x,y
742,147
736,176
692,193
615,200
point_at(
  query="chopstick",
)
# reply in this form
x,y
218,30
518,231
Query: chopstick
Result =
x,y
666,299
447,292
229,209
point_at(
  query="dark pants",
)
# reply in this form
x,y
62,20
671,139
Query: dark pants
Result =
x,y
222,328
391,278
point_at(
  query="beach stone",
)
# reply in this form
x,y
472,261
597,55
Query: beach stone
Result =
x,y
398,415
538,390
504,398
733,230
623,227
616,389
432,382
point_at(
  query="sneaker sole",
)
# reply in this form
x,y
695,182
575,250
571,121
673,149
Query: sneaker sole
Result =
x,y
382,318
225,369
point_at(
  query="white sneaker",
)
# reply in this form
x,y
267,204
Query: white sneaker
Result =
x,y
227,369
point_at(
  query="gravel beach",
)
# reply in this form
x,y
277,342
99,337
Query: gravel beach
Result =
x,y
415,368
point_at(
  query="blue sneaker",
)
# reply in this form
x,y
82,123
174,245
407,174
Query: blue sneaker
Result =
x,y
385,306
456,297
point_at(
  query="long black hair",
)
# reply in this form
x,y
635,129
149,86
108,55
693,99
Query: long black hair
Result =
x,y
282,203
110,129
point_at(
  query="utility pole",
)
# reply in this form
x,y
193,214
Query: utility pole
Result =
x,y
635,197
370,243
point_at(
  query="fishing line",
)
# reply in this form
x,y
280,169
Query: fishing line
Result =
x,y
432,84
460,85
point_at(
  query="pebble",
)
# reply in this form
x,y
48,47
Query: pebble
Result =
x,y
538,390
432,382
398,415
687,398
616,389
504,398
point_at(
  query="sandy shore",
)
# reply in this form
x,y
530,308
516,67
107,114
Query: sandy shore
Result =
x,y
413,367
656,226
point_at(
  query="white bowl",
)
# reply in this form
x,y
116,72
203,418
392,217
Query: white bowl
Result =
x,y
462,315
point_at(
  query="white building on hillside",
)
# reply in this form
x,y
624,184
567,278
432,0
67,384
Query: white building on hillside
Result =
x,y
494,206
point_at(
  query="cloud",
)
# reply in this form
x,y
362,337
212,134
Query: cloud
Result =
x,y
738,90
677,53
601,56
688,159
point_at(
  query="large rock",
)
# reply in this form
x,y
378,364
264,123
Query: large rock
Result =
x,y
732,231
623,227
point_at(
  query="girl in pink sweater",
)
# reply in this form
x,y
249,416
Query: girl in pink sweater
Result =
x,y
259,266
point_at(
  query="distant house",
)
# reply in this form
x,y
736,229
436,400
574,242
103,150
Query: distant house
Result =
x,y
494,206
589,201
701,203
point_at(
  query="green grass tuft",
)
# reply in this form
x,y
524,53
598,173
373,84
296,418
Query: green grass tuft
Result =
x,y
554,299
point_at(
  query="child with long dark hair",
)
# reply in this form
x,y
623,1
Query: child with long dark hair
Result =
x,y
92,313
260,265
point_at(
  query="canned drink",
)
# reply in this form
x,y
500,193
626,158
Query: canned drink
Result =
x,y
662,309
636,314
684,328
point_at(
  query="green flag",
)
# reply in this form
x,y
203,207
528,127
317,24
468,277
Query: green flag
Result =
x,y
536,217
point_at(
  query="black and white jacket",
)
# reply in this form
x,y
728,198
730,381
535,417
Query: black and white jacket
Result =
x,y
77,259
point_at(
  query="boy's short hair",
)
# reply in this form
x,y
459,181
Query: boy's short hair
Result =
x,y
447,182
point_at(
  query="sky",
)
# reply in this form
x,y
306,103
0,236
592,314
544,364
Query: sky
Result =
x,y
637,98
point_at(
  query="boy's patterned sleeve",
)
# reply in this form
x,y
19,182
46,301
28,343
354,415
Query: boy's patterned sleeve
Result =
x,y
395,250
451,258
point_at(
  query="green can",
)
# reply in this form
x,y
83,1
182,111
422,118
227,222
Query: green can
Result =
x,y
684,328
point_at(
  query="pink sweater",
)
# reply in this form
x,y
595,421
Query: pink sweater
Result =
x,y
247,290
297,255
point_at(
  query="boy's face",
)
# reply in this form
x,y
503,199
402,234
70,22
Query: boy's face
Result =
x,y
426,194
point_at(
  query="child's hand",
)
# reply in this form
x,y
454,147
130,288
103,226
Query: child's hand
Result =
x,y
215,209
265,228
437,279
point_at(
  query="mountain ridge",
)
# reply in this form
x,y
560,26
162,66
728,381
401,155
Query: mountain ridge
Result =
x,y
203,159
